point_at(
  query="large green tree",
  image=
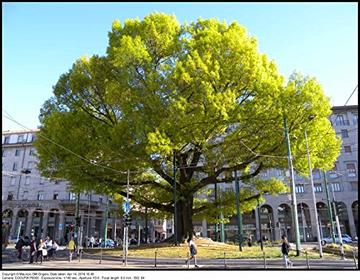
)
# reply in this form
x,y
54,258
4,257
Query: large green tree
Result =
x,y
201,94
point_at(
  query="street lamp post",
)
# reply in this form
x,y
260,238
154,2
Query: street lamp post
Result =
x,y
259,218
313,197
216,223
338,227
329,209
175,210
239,218
293,194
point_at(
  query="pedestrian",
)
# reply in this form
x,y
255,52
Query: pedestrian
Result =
x,y
71,246
49,247
33,249
285,251
92,241
193,250
19,247
41,251
249,241
53,249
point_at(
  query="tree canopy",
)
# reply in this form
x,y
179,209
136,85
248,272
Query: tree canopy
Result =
x,y
200,93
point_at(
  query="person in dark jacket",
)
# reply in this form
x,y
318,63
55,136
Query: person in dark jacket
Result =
x,y
285,251
20,244
33,249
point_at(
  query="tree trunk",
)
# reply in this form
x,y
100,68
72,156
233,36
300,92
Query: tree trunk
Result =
x,y
184,227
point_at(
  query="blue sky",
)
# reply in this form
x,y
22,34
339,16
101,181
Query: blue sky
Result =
x,y
42,40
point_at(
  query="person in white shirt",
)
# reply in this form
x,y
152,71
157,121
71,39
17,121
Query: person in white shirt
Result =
x,y
193,251
92,241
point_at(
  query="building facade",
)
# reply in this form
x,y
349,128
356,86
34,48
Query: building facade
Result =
x,y
32,203
275,217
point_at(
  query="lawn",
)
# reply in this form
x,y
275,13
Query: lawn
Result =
x,y
211,250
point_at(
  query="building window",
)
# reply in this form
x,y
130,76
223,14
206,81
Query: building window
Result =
x,y
339,120
56,196
15,166
10,196
335,187
33,138
355,119
40,196
32,152
7,140
72,196
316,174
27,180
25,195
30,165
100,199
42,180
354,186
344,133
317,187
3,153
350,168
17,152
20,139
299,188
347,149
12,181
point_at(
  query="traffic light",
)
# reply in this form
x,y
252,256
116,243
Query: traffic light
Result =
x,y
340,207
127,219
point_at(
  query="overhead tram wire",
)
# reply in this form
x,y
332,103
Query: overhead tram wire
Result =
x,y
68,150
351,95
180,167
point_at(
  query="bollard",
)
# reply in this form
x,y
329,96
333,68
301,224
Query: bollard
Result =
x,y
264,260
101,254
155,256
188,261
307,260
80,253
225,260
356,266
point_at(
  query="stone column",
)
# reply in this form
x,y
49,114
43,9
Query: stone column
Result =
x,y
204,228
152,230
45,223
29,222
14,224
313,221
351,220
276,222
61,227
113,225
101,232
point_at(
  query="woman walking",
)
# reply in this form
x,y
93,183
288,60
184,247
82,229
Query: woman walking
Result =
x,y
193,251
71,246
285,251
41,251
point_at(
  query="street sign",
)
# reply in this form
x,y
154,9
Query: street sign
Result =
x,y
60,226
126,207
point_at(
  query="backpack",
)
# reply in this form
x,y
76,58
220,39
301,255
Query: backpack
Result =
x,y
193,250
19,244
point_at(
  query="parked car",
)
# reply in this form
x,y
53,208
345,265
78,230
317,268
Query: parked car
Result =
x,y
328,240
108,244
